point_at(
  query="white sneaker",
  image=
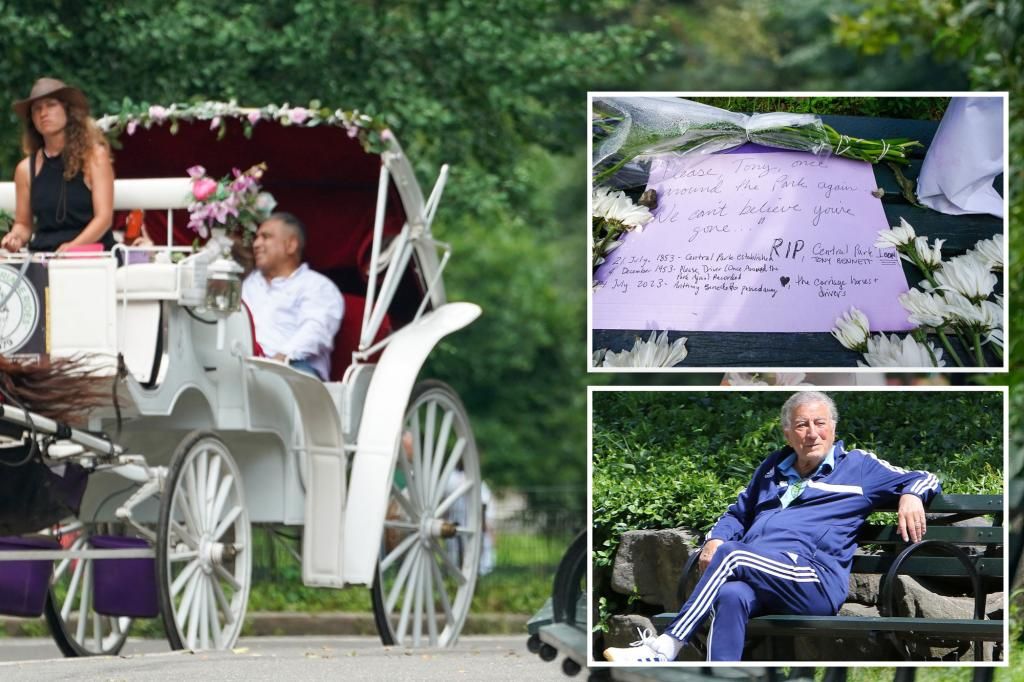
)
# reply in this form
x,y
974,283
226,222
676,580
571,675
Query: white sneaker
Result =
x,y
639,651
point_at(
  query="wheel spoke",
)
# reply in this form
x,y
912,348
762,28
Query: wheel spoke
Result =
x,y
186,501
423,466
83,604
448,563
58,572
204,624
401,525
398,551
183,556
97,631
195,610
214,619
403,575
222,601
222,496
442,592
185,606
201,462
410,486
417,621
428,580
407,599
184,576
463,488
184,535
228,519
226,576
411,460
442,445
69,598
399,496
211,486
449,468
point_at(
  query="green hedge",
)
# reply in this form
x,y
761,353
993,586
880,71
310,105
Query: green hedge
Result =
x,y
678,459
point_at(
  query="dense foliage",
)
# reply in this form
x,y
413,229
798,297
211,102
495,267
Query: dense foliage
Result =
x,y
671,459
495,88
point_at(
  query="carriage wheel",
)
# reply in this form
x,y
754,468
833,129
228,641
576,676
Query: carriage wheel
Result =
x,y
76,628
430,554
204,550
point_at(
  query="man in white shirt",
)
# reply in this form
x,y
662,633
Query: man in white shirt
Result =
x,y
296,310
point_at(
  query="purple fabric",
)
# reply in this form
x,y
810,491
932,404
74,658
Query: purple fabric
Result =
x,y
23,584
124,587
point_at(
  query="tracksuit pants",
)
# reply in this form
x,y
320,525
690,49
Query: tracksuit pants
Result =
x,y
742,582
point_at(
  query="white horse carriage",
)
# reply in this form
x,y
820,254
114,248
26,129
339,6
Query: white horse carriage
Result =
x,y
202,438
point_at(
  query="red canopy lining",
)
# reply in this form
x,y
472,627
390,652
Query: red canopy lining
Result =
x,y
320,174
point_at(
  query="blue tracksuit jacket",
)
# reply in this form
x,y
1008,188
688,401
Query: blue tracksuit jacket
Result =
x,y
821,524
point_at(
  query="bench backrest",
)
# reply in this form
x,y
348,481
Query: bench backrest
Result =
x,y
985,542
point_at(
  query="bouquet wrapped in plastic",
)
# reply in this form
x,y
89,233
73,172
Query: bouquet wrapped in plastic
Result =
x,y
629,130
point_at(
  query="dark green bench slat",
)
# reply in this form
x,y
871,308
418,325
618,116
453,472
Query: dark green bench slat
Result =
x,y
966,504
839,625
965,535
950,628
930,566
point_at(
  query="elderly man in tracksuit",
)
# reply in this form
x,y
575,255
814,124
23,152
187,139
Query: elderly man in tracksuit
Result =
x,y
786,545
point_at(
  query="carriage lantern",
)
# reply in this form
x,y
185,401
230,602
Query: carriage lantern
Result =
x,y
224,286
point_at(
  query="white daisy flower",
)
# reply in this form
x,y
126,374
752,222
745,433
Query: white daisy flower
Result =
x,y
769,379
852,329
991,251
898,235
925,310
615,206
893,351
967,275
654,352
929,257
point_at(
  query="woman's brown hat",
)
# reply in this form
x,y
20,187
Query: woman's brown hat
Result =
x,y
50,87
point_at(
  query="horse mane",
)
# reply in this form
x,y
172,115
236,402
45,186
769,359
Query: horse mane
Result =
x,y
63,389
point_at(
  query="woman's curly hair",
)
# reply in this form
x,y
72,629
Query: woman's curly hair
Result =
x,y
80,138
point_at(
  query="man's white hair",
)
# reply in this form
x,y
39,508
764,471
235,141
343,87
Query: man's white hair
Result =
x,y
805,398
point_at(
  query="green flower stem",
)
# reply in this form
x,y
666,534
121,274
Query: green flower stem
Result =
x,y
931,353
997,352
977,349
949,347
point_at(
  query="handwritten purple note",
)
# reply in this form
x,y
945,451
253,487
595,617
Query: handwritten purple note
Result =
x,y
758,242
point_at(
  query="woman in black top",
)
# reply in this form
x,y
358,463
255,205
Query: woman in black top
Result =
x,y
65,186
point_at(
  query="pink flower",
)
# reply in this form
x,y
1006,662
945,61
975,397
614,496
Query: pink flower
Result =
x,y
386,135
215,123
351,130
298,115
203,188
196,172
253,116
132,125
157,113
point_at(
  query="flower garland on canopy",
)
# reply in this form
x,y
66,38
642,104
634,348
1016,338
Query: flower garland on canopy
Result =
x,y
372,132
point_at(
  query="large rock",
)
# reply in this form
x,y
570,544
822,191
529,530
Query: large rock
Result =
x,y
914,599
650,562
864,588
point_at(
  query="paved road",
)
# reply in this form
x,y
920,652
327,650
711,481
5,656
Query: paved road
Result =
x,y
285,658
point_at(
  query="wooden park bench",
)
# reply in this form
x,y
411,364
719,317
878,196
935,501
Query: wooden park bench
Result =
x,y
971,553
820,349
